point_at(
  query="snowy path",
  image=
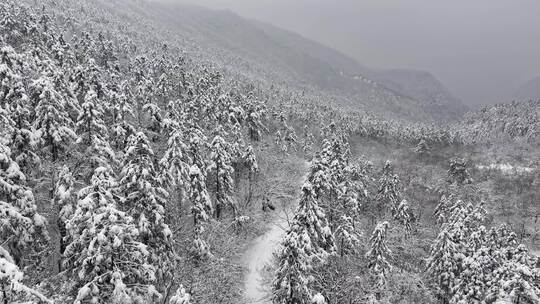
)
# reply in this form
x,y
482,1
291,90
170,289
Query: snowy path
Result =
x,y
260,254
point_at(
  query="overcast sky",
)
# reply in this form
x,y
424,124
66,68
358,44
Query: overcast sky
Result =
x,y
480,49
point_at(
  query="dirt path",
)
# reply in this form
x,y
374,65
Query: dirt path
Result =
x,y
260,254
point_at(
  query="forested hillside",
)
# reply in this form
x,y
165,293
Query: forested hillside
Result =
x,y
137,164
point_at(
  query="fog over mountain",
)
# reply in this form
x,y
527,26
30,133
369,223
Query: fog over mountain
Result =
x,y
528,90
481,50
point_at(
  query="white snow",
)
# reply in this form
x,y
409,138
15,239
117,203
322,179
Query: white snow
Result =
x,y
257,257
260,254
506,168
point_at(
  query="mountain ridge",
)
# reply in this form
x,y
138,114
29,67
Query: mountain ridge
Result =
x,y
305,62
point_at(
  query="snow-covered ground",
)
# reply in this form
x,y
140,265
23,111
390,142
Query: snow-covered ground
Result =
x,y
506,168
257,257
261,252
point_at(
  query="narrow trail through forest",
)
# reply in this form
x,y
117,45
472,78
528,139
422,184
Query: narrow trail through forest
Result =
x,y
261,252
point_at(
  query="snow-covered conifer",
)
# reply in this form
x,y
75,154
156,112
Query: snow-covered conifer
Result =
x,y
10,281
422,148
200,199
310,215
254,122
145,199
388,194
105,257
52,121
22,226
404,215
175,162
458,171
221,171
292,279
93,134
378,255
180,297
63,199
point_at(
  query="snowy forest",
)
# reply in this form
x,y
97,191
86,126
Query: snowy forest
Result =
x,y
140,165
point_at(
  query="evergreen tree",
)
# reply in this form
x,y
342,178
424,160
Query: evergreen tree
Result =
x,y
458,171
11,278
308,241
106,260
175,163
93,134
221,170
52,121
145,199
378,255
22,226
422,148
310,215
444,264
291,281
63,201
201,209
180,297
254,122
404,216
388,194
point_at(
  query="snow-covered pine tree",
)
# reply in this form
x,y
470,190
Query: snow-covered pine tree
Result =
x,y
422,148
310,215
347,211
52,121
201,209
388,194
308,141
445,207
105,258
10,282
93,134
308,241
15,101
254,121
450,249
175,163
292,279
145,199
318,175
63,200
458,171
444,264
22,226
378,255
180,297
290,140
517,278
404,216
121,114
222,172
496,269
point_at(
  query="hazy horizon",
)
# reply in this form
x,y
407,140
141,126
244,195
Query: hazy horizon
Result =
x,y
481,51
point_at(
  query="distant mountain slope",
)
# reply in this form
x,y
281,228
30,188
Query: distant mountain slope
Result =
x,y
503,122
423,86
529,90
295,60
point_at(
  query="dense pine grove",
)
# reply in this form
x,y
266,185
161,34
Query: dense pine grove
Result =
x,y
135,170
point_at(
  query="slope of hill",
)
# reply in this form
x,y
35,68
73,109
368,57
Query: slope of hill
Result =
x,y
288,57
423,86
